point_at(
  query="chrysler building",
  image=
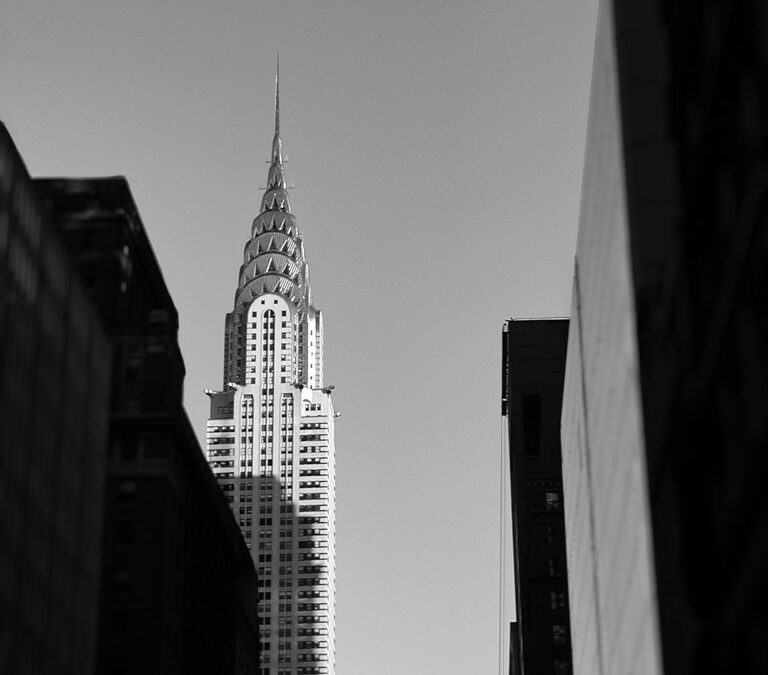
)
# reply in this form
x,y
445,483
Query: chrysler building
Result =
x,y
270,437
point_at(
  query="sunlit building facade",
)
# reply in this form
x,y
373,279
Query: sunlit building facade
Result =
x,y
270,438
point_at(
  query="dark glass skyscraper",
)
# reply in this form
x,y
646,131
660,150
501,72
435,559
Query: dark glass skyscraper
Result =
x,y
533,363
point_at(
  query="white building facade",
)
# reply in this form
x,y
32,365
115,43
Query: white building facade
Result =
x,y
270,438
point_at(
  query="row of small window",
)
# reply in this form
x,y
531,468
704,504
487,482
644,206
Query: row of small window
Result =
x,y
313,425
265,544
264,574
268,507
221,440
221,429
266,596
268,337
313,449
307,644
270,341
254,324
313,569
313,520
266,558
310,496
303,606
269,425
267,522
284,633
267,370
312,557
244,486
221,452
313,532
313,594
266,334
283,620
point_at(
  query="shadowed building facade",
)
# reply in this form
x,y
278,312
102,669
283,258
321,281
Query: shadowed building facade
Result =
x,y
664,426
54,418
270,437
533,367
178,589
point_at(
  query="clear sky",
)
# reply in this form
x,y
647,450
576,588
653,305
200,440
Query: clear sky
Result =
x,y
436,150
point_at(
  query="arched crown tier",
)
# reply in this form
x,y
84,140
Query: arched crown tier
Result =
x,y
273,258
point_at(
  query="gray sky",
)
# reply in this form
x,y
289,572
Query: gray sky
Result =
x,y
436,149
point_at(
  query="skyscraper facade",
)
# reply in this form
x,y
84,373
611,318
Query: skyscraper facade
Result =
x,y
664,427
166,532
270,437
533,363
54,420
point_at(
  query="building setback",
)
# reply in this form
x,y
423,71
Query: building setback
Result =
x,y
178,590
533,366
270,437
664,426
54,389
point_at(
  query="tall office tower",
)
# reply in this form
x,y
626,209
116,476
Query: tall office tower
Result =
x,y
270,437
533,363
167,532
54,418
664,427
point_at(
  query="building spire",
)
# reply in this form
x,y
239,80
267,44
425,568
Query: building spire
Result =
x,y
276,178
277,97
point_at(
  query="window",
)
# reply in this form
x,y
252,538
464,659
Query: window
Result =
x,y
557,600
554,567
558,635
552,501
